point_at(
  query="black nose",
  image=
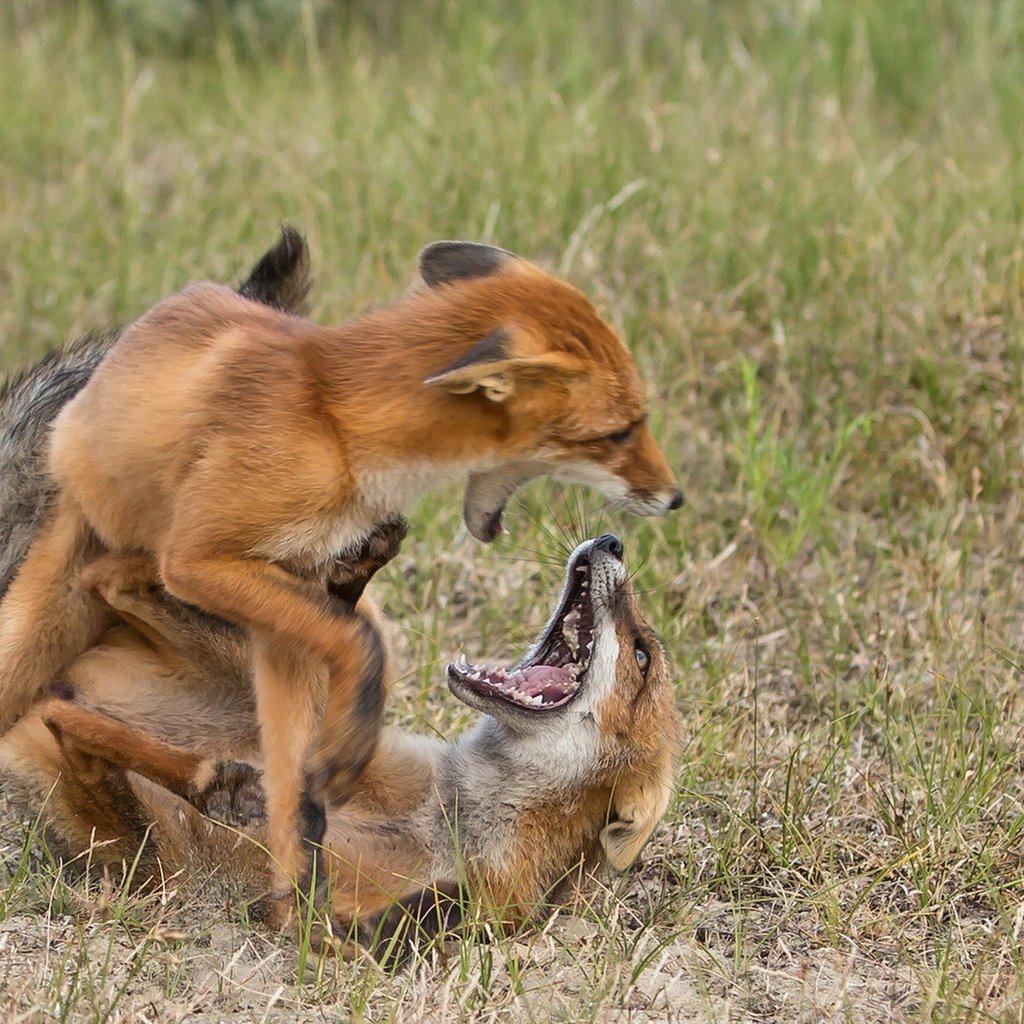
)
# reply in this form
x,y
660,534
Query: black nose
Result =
x,y
610,543
676,502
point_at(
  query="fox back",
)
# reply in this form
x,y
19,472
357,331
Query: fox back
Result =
x,y
31,400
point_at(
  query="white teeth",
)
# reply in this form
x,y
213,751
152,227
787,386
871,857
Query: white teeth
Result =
x,y
460,661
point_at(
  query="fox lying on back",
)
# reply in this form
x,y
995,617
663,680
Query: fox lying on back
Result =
x,y
245,448
568,767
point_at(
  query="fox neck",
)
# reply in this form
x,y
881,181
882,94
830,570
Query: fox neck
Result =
x,y
371,372
498,796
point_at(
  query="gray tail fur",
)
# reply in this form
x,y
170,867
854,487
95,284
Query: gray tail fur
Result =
x,y
30,400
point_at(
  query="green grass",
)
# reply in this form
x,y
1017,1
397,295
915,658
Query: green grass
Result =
x,y
806,216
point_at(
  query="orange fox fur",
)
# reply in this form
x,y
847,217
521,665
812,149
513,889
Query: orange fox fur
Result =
x,y
525,801
245,448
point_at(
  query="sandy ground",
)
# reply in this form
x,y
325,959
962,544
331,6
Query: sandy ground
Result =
x,y
82,953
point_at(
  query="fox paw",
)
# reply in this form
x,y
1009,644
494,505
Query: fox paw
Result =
x,y
234,796
348,575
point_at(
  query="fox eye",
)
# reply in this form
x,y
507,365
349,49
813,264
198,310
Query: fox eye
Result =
x,y
620,436
643,657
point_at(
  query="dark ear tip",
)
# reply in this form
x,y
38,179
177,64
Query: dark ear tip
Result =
x,y
292,240
451,260
281,277
441,246
447,246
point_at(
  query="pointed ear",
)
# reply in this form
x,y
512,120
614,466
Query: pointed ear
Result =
x,y
636,810
492,368
445,262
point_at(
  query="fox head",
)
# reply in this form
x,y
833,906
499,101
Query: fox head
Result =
x,y
563,382
591,704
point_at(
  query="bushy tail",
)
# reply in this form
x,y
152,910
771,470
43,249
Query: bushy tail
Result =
x,y
29,403
46,618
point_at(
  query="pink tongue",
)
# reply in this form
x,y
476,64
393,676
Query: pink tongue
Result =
x,y
547,680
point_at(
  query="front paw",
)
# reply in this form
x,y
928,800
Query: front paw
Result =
x,y
233,796
348,575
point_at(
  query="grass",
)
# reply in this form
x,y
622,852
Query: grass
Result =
x,y
806,216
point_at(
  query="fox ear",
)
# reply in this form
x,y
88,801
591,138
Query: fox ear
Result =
x,y
445,262
492,368
636,810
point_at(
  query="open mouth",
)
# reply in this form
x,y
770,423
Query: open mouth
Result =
x,y
551,676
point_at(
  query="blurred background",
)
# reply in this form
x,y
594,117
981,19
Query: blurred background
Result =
x,y
806,218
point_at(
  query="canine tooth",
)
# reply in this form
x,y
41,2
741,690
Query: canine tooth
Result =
x,y
460,661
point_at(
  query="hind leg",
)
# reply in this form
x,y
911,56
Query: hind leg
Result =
x,y
75,761
93,744
86,802
177,632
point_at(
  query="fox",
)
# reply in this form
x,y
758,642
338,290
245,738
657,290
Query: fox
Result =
x,y
247,450
565,773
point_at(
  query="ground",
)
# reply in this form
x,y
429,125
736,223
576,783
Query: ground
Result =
x,y
806,217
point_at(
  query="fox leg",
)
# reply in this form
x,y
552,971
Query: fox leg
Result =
x,y
87,802
295,625
130,585
46,619
94,745
285,701
397,931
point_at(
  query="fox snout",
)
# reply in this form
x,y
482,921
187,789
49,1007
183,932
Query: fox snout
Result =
x,y
652,487
642,504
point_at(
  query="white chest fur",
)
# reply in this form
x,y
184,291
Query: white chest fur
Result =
x,y
381,494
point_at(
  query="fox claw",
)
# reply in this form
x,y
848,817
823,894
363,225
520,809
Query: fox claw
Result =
x,y
234,796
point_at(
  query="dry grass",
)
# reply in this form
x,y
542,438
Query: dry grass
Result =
x,y
806,216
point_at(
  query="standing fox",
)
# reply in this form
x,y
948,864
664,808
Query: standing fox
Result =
x,y
569,766
246,450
